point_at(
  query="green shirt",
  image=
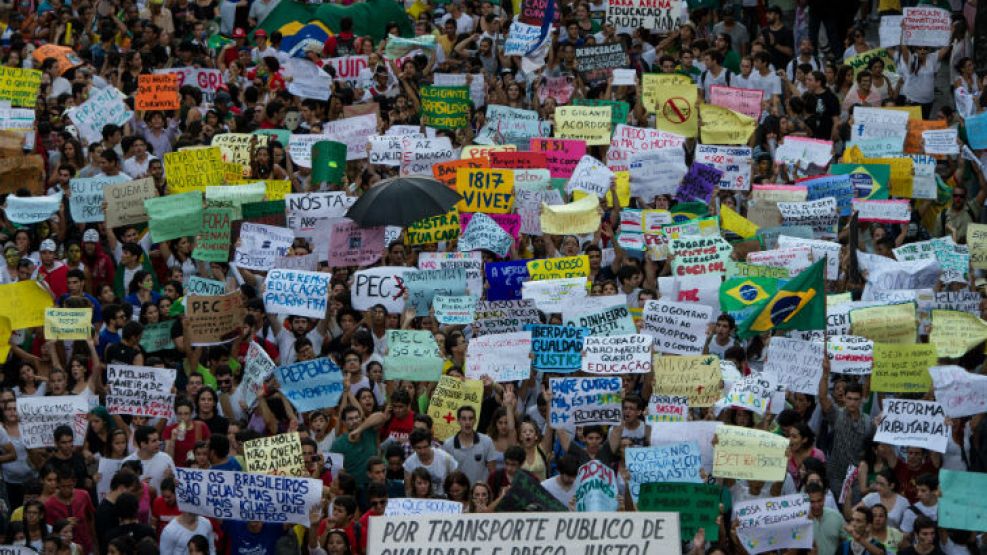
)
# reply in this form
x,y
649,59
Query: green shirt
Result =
x,y
357,455
827,531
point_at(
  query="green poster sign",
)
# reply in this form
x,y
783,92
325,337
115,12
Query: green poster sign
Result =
x,y
446,107
213,241
328,162
698,505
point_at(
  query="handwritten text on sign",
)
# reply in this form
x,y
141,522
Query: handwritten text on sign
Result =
x,y
231,495
140,391
297,292
585,401
312,384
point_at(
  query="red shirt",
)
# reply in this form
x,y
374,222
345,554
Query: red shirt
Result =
x,y
199,432
81,508
398,429
906,477
164,512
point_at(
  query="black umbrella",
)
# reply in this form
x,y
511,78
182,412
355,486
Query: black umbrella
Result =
x,y
402,201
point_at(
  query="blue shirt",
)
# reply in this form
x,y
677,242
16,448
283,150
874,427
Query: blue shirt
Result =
x,y
97,308
244,542
106,338
230,464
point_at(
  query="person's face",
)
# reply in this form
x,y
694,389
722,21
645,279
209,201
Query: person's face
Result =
x,y
852,401
746,67
399,410
722,329
859,522
312,458
467,421
631,413
593,441
351,363
352,420
959,198
58,382
423,449
377,473
184,414
24,273
668,66
880,518
528,434
810,81
817,502
51,482
926,537
32,513
207,403
865,82
511,467
119,444
299,326
336,545
65,487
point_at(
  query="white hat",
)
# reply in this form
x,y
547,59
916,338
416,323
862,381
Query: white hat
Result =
x,y
47,245
91,236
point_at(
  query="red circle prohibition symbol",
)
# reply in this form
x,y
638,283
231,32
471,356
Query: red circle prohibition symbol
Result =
x,y
676,109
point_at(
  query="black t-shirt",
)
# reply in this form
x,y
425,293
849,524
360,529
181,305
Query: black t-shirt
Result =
x,y
75,463
822,108
135,530
782,37
118,353
217,424
107,519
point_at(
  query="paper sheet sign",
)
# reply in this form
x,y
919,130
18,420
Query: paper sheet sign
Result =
x,y
68,323
749,454
278,455
157,92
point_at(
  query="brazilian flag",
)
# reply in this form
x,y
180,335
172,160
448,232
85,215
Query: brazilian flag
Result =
x,y
800,304
740,296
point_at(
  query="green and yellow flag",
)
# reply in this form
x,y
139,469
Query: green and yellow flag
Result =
x,y
800,304
741,296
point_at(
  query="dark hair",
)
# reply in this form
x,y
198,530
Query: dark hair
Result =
x,y
465,408
515,453
814,488
143,434
568,465
418,436
127,505
63,431
124,478
132,329
923,522
220,445
928,480
200,542
347,503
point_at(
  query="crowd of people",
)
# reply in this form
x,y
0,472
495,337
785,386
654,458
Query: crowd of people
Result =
x,y
795,52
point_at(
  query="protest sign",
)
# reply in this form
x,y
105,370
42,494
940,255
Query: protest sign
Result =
x,y
552,295
850,354
956,333
39,416
86,200
695,377
888,324
961,393
742,101
961,503
961,301
125,201
678,328
734,162
562,155
752,393
789,255
157,91
672,462
102,107
174,216
618,108
578,217
452,310
381,285
698,505
976,130
723,126
418,155
212,244
696,256
207,80
651,532
518,160
887,275
558,268
385,151
107,469
907,423
584,402
230,495
774,523
19,86
613,320
595,488
749,454
485,190
353,245
297,293
839,187
68,323
469,261
557,348
667,408
409,506
446,171
483,233
475,82
504,279
521,39
504,316
503,357
311,384
902,368
940,141
763,207
277,455
31,210
193,169
797,364
976,238
586,123
676,109
354,132
199,286
448,396
591,176
140,391
514,126
803,150
559,88
821,215
896,211
600,56
24,303
412,355
926,26
878,123
444,227
617,354
235,196
214,319
662,16
890,31
698,183
157,337
423,285
446,107
657,173
257,369
260,245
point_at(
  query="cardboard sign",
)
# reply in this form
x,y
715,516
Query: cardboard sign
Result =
x,y
956,333
962,503
412,355
742,101
696,377
926,26
86,200
698,505
215,319
502,357
850,354
562,155
600,56
890,324
586,123
454,310
260,245
39,416
584,402
102,107
353,245
446,171
157,92
23,304
408,506
505,278
311,384
617,354
32,210
752,393
667,408
277,455
796,363
908,423
552,295
297,293
444,227
68,323
749,454
613,320
897,211
125,201
678,328
469,261
575,218
774,523
446,107
662,16
483,233
257,369
448,396
229,495
423,285
697,256
418,155
194,169
140,391
678,462
821,215
20,86
485,190
157,337
734,162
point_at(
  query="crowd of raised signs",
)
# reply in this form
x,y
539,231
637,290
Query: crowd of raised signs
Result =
x,y
714,284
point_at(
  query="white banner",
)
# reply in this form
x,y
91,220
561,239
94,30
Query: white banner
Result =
x,y
260,245
381,285
774,523
503,357
678,328
229,495
798,364
961,393
553,295
913,424
850,354
617,354
418,155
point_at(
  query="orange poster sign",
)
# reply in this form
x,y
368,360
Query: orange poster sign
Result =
x,y
157,92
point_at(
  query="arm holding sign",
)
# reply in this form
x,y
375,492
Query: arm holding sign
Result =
x,y
824,401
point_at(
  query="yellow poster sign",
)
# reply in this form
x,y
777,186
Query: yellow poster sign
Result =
x,y
235,147
24,303
20,86
732,221
749,454
586,123
5,333
902,170
976,239
893,323
193,169
558,268
483,151
723,126
954,333
581,216
279,455
444,227
696,377
653,83
449,395
277,189
677,110
902,368
485,190
68,323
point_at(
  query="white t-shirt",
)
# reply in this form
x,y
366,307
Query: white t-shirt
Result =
x,y
442,465
175,537
770,83
554,486
909,516
464,23
896,512
154,468
920,85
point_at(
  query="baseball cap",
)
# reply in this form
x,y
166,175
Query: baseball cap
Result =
x,y
239,33
260,33
47,245
91,236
